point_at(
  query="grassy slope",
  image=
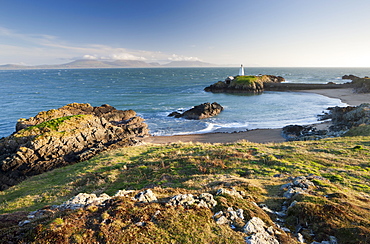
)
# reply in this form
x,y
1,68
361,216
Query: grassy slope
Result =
x,y
196,168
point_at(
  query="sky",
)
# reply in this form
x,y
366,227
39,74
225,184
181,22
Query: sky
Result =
x,y
255,33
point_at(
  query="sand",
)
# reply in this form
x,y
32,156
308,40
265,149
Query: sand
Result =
x,y
346,95
260,135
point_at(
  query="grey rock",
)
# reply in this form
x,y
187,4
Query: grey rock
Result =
x,y
231,192
123,193
254,225
84,199
203,200
182,199
262,238
208,199
303,182
222,220
293,191
24,222
146,196
300,238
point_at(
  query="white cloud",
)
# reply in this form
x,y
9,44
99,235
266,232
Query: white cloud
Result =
x,y
175,57
125,56
91,57
46,49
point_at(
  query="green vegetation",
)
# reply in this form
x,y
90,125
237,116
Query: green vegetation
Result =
x,y
338,204
47,126
362,130
248,82
241,80
362,85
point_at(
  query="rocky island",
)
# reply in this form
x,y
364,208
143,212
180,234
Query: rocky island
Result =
x,y
254,84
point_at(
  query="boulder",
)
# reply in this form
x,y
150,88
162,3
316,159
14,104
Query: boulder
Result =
x,y
64,136
201,111
257,232
146,196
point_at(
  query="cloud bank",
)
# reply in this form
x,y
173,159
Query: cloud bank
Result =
x,y
46,49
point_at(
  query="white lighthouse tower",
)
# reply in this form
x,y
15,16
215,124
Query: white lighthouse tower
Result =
x,y
241,70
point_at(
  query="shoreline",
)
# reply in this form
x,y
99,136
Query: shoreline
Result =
x,y
346,95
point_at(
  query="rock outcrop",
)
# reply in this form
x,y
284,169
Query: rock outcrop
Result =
x,y
342,119
360,85
201,111
252,84
63,136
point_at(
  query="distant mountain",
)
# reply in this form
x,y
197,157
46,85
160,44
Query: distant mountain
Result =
x,y
91,64
130,63
12,66
84,64
188,64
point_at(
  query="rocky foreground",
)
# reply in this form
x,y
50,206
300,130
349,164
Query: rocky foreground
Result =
x,y
64,136
254,223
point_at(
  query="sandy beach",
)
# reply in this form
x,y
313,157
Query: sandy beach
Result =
x,y
346,95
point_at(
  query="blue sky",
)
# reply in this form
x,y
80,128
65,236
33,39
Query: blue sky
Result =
x,y
268,33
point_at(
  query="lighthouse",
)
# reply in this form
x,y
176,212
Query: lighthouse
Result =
x,y
241,70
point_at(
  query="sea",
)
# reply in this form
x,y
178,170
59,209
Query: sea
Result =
x,y
155,92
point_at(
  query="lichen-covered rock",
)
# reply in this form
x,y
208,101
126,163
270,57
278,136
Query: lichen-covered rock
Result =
x,y
146,196
82,200
231,192
60,137
257,231
300,185
201,111
203,200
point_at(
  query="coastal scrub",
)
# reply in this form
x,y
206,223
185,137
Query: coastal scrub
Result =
x,y
340,167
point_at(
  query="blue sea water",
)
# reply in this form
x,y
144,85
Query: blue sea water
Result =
x,y
155,92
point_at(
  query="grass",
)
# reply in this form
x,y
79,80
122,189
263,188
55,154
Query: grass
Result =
x,y
47,126
240,80
344,161
248,82
195,168
362,130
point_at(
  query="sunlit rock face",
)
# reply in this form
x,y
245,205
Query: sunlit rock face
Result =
x,y
64,136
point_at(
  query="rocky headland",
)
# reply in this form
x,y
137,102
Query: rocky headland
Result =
x,y
202,111
64,136
360,85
